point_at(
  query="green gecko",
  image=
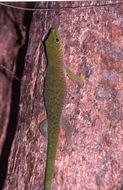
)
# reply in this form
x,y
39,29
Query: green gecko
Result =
x,y
54,96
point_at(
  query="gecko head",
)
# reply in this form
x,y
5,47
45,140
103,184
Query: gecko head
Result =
x,y
53,39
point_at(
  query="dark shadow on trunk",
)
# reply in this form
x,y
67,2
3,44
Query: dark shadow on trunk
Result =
x,y
14,110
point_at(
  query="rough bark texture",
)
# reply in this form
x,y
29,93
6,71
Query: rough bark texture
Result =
x,y
92,41
11,38
9,46
12,50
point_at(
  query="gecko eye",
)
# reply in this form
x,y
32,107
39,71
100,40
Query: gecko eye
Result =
x,y
57,40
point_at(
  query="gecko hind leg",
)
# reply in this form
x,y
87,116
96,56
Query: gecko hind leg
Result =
x,y
65,125
43,128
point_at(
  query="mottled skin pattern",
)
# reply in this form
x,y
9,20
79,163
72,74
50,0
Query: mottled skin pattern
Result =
x,y
54,94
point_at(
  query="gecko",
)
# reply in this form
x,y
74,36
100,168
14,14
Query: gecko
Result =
x,y
54,97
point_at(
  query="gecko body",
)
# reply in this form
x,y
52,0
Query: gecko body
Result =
x,y
54,94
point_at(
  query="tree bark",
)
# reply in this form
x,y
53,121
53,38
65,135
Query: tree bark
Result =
x,y
92,45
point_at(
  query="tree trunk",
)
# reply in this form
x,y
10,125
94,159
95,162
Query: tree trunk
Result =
x,y
92,45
